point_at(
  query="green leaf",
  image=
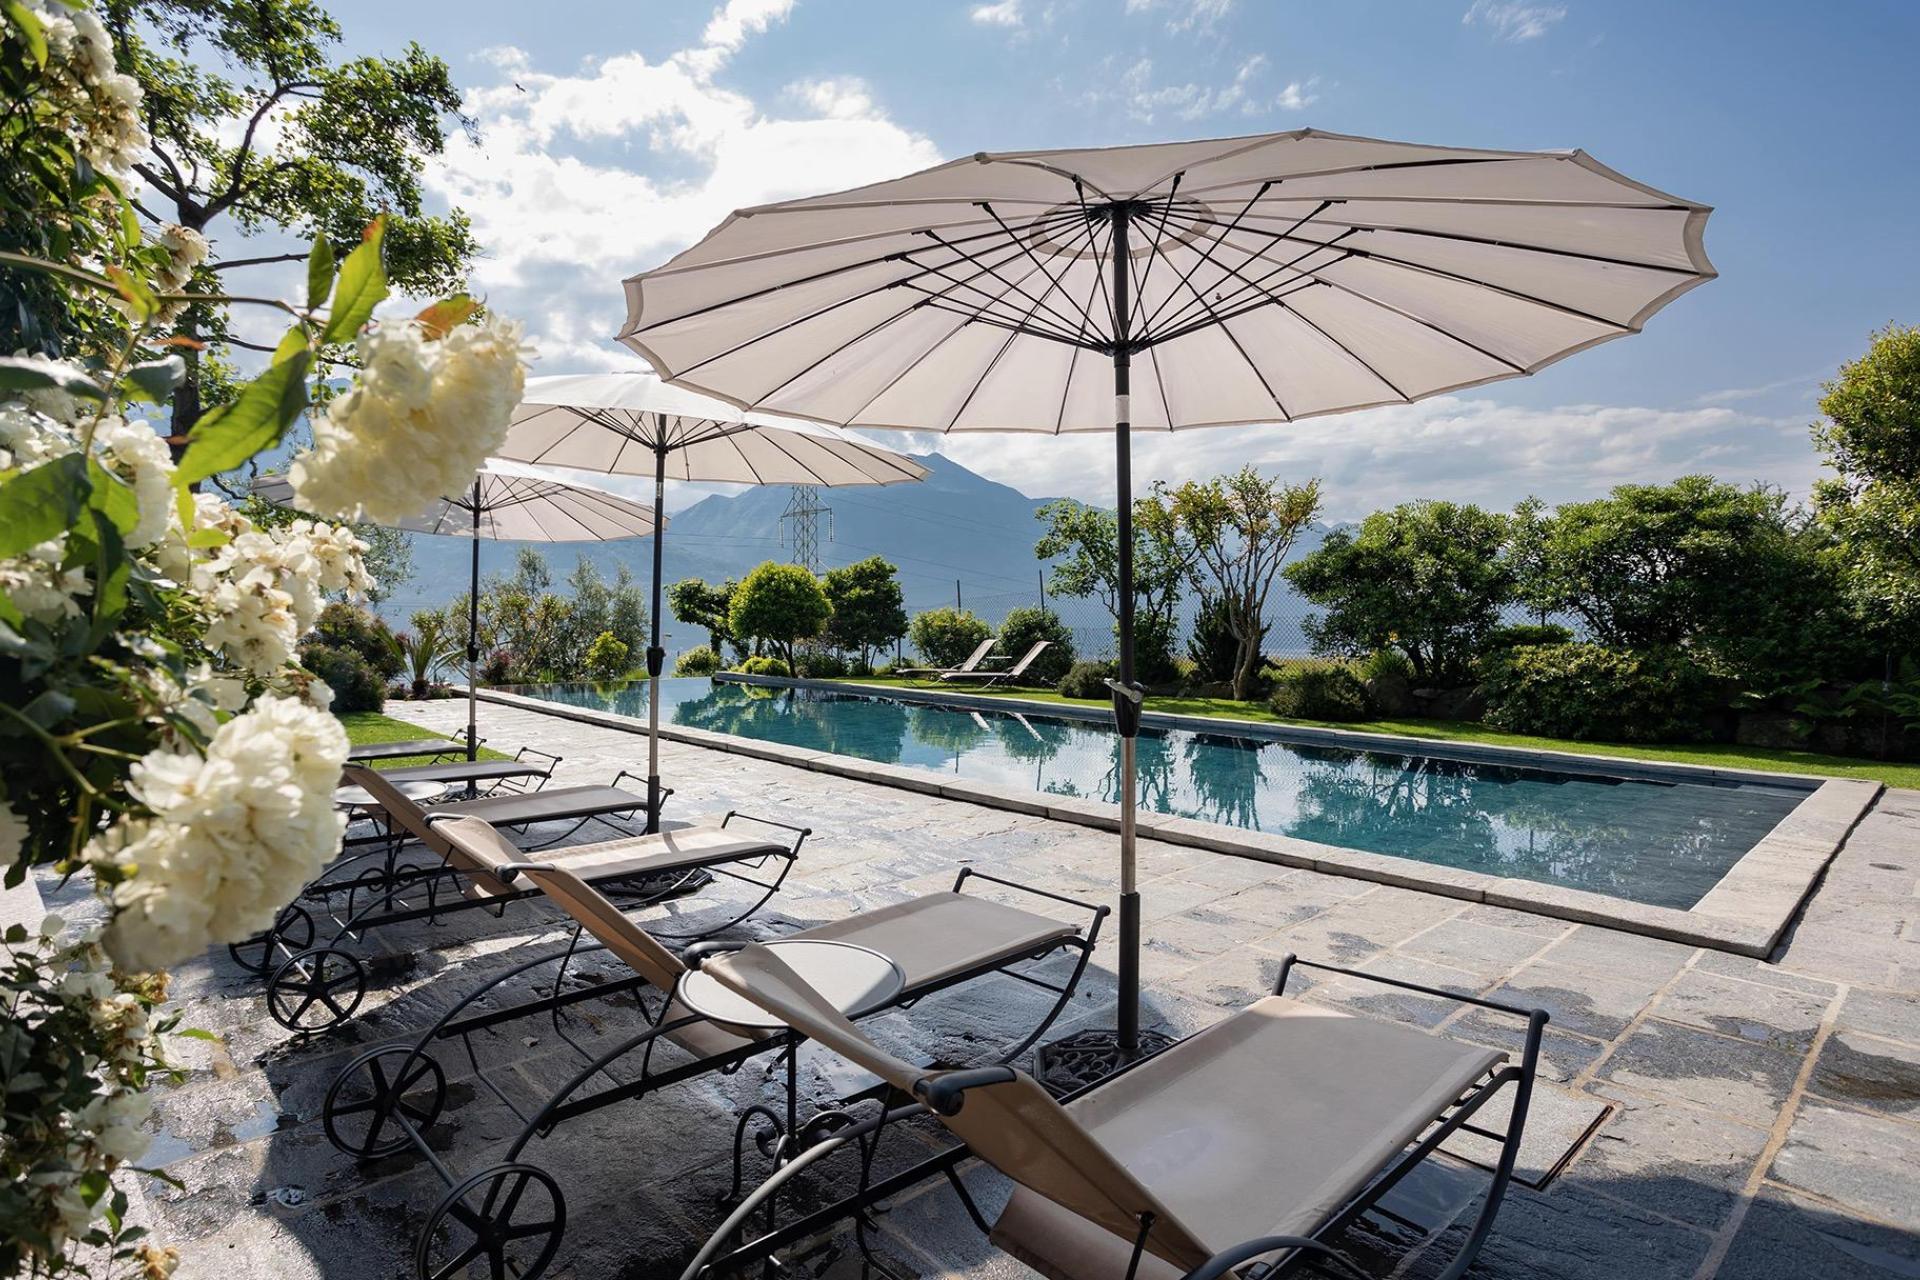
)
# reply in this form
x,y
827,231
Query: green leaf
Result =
x,y
31,30
155,380
253,421
319,272
446,315
112,497
196,1033
135,292
17,373
362,284
42,503
293,340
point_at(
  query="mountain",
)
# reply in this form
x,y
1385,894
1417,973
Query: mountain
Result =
x,y
954,526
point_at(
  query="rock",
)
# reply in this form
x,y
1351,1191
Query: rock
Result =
x,y
1392,693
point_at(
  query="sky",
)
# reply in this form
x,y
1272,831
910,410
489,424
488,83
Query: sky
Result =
x,y
611,135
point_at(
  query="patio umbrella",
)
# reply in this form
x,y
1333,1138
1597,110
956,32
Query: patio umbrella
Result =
x,y
1247,280
631,424
513,503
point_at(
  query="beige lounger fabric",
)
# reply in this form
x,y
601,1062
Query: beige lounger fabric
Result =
x,y
1264,1124
537,806
936,936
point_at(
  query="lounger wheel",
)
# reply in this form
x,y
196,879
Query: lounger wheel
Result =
x,y
508,1218
316,989
293,928
374,1092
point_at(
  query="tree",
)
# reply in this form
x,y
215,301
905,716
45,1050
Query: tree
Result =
x,y
781,604
1243,526
1426,578
618,608
1163,555
324,145
869,611
1870,435
1027,626
701,604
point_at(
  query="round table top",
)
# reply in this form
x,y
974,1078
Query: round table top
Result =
x,y
854,979
421,790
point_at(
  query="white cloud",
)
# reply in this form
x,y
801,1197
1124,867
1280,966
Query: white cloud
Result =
x,y
1186,15
1146,101
1469,449
1006,13
579,180
1513,21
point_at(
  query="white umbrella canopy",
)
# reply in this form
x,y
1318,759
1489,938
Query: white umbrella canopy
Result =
x,y
1269,278
510,502
633,424
1245,280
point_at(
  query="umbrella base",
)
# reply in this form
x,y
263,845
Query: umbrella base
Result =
x,y
1088,1057
662,886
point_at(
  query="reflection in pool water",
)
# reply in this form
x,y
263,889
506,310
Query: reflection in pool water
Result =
x,y
1663,843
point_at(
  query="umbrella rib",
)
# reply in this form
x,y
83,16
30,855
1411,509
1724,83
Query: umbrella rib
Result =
x,y
1493,242
1213,245
1099,262
773,438
1349,352
1137,320
1053,283
1182,320
1078,323
986,309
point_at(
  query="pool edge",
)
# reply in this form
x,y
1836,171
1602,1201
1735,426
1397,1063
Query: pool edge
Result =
x,y
1745,913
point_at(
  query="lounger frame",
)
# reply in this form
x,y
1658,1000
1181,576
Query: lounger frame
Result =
x,y
305,983
781,1137
1296,1251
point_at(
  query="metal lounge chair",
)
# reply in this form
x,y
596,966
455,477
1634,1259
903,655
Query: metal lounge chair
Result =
x,y
1260,1138
989,679
314,984
388,1098
356,872
972,663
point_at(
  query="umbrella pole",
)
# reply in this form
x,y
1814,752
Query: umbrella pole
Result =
x,y
656,656
473,636
1126,693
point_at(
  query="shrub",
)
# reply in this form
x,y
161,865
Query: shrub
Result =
x,y
1583,690
868,611
497,668
821,664
1525,633
346,626
763,665
1027,626
697,662
356,685
1154,636
1213,646
1086,680
607,657
1320,691
945,637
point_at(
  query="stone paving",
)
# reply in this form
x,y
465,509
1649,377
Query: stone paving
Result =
x,y
1709,1115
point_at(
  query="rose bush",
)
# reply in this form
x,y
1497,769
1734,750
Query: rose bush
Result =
x,y
158,737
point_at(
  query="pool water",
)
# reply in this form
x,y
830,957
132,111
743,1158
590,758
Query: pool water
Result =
x,y
1658,842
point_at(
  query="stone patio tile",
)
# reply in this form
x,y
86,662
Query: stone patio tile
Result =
x,y
1839,955
1209,929
1479,949
1295,898
1382,1001
1746,1081
1872,1074
1508,918
1608,953
1569,1233
1786,1238
1784,1019
1590,1004
1563,1055
1680,1161
1768,975
1859,1161
1894,1015
1558,1120
1230,981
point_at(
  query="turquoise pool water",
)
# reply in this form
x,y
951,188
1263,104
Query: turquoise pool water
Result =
x,y
1664,843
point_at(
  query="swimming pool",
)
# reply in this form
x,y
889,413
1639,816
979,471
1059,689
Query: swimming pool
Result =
x,y
1656,841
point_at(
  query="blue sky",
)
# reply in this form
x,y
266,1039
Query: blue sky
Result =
x,y
613,134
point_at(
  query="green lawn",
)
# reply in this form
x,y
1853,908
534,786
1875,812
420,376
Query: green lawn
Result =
x,y
1719,754
372,726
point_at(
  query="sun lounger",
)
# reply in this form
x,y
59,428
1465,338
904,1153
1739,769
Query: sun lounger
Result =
x,y
366,751
385,1100
972,663
527,769
1260,1138
989,679
315,983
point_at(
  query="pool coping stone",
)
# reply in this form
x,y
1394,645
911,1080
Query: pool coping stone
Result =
x,y
1746,913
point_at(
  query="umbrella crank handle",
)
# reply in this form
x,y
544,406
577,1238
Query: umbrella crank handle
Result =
x,y
1127,700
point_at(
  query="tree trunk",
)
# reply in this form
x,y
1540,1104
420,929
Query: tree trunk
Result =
x,y
186,399
1245,660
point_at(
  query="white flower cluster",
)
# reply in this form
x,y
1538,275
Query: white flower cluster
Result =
x,y
98,105
263,588
233,835
186,249
423,416
135,452
105,1036
40,588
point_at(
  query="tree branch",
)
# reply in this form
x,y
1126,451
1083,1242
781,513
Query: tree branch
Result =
x,y
260,261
